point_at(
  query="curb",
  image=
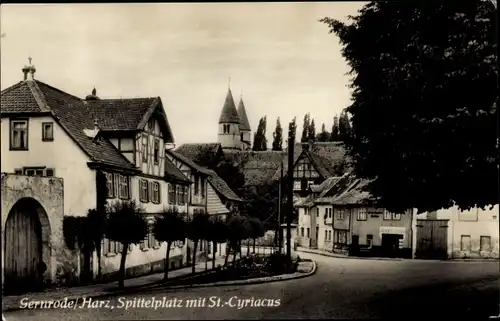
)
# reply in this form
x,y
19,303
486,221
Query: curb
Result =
x,y
353,257
269,279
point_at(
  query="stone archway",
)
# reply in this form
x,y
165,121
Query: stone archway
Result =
x,y
26,246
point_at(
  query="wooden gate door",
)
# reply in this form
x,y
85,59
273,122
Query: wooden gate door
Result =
x,y
23,249
432,239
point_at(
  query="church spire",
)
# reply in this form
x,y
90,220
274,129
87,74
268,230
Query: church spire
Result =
x,y
242,113
229,114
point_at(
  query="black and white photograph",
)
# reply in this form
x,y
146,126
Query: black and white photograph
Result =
x,y
250,160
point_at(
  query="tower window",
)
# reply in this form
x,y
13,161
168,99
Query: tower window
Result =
x,y
226,128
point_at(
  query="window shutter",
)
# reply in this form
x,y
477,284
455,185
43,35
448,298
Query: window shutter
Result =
x,y
116,184
150,192
159,192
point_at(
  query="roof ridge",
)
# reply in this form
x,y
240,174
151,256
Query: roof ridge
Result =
x,y
38,95
57,89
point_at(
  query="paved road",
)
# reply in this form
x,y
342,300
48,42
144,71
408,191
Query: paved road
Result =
x,y
341,288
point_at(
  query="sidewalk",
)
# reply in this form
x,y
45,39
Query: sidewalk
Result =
x,y
12,302
337,255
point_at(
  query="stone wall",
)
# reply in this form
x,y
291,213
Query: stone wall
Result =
x,y
49,193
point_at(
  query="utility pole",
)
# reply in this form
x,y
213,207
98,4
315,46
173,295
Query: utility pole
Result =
x,y
280,202
291,143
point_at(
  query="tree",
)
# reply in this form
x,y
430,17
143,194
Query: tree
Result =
x,y
97,218
335,137
260,140
344,127
305,129
312,131
196,229
126,225
278,136
323,136
237,231
231,173
169,227
424,110
294,126
218,233
256,229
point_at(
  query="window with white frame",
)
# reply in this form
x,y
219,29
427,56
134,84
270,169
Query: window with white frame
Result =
x,y
19,134
47,132
156,152
143,190
302,231
36,171
124,190
297,185
362,214
340,213
326,235
155,192
391,216
308,232
145,146
341,237
171,194
330,210
330,235
109,185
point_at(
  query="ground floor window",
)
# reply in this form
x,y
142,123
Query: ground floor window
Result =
x,y
465,243
485,243
340,237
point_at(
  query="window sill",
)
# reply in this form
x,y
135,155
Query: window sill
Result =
x,y
110,254
145,249
18,149
47,139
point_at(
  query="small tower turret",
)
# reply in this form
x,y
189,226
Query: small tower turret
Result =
x,y
229,124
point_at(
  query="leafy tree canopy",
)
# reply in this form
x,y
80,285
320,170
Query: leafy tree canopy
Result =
x,y
278,136
423,114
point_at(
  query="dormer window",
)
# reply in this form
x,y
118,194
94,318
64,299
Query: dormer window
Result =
x,y
19,134
47,132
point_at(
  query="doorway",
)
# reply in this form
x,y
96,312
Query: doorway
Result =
x,y
390,244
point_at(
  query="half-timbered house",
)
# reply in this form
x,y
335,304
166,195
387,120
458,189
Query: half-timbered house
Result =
x,y
48,132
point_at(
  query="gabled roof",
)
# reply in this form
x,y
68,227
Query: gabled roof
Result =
x,y
69,111
221,187
217,183
129,114
319,190
242,113
348,191
229,114
174,174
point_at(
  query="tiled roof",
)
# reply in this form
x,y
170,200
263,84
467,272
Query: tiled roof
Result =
x,y
172,172
120,114
218,183
220,186
242,113
19,99
229,114
347,191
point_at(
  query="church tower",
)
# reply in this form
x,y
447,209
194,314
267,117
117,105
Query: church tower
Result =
x,y
245,130
229,124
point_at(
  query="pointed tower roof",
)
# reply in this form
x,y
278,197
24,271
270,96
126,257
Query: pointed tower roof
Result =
x,y
244,124
229,113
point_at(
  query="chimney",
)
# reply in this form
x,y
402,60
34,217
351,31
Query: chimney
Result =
x,y
29,71
93,95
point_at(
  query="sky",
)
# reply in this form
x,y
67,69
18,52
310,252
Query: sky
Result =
x,y
277,56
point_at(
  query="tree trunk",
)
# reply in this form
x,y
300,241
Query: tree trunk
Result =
x,y
167,257
206,254
239,248
228,249
121,280
214,244
99,266
248,247
254,245
235,251
193,268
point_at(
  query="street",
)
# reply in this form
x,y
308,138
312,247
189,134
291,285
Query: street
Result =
x,y
341,288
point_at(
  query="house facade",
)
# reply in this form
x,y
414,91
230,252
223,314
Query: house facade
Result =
x,y
340,216
48,132
458,234
209,194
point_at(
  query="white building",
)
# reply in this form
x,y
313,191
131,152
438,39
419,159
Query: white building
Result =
x,y
48,132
